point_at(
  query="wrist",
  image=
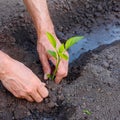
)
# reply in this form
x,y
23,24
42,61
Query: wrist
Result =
x,y
4,61
45,27
43,24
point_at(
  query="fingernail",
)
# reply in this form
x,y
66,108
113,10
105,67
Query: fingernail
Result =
x,y
45,76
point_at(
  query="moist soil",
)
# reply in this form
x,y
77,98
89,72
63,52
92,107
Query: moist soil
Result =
x,y
93,82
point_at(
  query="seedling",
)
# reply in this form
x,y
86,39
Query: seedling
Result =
x,y
60,52
87,112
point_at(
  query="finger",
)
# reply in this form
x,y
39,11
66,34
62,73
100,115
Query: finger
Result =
x,y
66,66
42,91
58,79
59,75
62,71
45,64
36,96
23,96
29,98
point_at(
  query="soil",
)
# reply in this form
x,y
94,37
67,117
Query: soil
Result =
x,y
93,83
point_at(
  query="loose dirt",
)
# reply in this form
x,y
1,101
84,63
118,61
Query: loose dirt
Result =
x,y
93,83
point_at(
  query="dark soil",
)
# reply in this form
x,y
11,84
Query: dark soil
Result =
x,y
93,82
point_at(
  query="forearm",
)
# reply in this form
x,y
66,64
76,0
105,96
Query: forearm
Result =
x,y
39,12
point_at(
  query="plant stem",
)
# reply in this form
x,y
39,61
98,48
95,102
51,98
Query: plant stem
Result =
x,y
56,68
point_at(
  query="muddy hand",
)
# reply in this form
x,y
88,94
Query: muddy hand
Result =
x,y
20,80
43,46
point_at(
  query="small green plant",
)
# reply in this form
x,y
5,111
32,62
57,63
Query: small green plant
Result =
x,y
87,112
59,53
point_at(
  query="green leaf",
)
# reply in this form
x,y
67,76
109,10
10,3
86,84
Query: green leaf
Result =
x,y
61,49
51,39
71,41
63,56
87,112
52,53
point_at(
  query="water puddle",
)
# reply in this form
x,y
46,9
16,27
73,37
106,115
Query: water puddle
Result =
x,y
98,36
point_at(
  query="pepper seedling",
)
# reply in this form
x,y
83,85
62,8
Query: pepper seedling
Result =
x,y
60,53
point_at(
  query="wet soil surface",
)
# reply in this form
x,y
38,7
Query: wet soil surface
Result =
x,y
93,83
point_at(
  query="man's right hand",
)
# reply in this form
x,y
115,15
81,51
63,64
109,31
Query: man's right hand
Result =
x,y
20,80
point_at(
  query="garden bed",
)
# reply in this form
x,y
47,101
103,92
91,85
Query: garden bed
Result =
x,y
93,82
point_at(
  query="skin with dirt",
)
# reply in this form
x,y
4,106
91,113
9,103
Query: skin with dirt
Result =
x,y
94,78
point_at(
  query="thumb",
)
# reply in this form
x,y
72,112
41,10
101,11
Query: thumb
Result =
x,y
46,65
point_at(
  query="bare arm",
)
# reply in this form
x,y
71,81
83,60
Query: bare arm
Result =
x,y
20,80
40,15
15,76
39,12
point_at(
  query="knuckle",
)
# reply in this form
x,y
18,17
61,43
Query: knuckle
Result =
x,y
29,90
22,94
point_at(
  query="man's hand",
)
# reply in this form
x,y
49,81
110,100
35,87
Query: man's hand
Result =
x,y
20,80
43,46
39,12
